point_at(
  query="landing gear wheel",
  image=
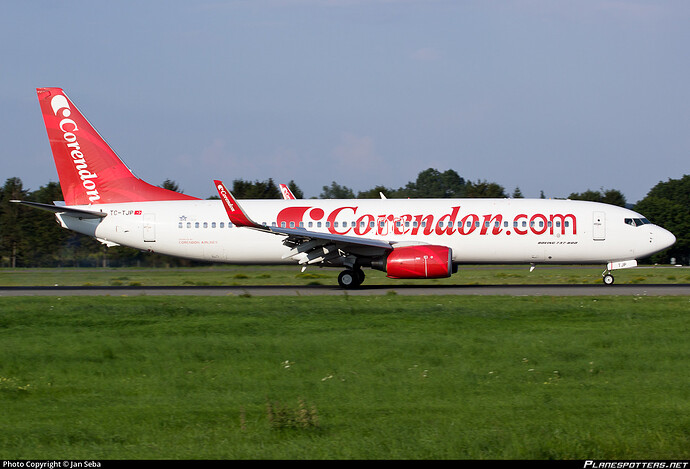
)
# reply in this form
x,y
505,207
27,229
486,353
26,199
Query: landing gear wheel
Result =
x,y
608,279
360,276
348,279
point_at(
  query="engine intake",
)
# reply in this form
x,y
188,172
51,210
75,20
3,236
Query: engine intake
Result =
x,y
423,261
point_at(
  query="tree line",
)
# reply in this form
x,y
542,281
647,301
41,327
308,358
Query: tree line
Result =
x,y
32,238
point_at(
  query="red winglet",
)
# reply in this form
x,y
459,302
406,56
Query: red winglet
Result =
x,y
287,193
235,212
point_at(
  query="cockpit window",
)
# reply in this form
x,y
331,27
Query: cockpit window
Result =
x,y
637,221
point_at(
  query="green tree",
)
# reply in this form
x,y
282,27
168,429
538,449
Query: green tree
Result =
x,y
13,243
171,186
256,190
610,196
431,183
336,191
296,191
484,189
668,205
45,235
375,193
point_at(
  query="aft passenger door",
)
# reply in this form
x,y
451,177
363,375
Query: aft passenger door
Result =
x,y
599,226
149,228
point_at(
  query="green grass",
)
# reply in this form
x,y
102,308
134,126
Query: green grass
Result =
x,y
291,275
384,377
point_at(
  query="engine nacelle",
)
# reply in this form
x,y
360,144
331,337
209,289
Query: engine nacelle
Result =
x,y
422,261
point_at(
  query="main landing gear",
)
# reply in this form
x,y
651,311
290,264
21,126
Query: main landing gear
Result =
x,y
351,278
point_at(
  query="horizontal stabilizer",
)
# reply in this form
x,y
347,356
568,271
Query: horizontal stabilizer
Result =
x,y
69,211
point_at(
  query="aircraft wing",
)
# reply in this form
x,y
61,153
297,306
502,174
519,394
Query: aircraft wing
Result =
x,y
309,246
72,212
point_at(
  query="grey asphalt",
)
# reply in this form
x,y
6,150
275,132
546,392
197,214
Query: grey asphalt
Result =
x,y
314,290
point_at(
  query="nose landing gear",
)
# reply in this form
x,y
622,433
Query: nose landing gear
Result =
x,y
607,277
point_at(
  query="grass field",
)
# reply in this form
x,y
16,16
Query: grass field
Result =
x,y
386,377
291,275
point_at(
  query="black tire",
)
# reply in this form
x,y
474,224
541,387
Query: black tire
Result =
x,y
608,279
360,276
348,279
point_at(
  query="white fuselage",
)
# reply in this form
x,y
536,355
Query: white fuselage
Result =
x,y
477,230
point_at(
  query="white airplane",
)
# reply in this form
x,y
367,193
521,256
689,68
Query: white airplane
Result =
x,y
406,238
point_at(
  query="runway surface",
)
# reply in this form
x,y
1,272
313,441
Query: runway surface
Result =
x,y
315,290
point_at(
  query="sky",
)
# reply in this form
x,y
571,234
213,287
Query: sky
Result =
x,y
545,95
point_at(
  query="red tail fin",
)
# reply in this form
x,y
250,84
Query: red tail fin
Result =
x,y
89,170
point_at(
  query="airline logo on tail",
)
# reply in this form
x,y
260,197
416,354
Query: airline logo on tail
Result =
x,y
68,127
90,171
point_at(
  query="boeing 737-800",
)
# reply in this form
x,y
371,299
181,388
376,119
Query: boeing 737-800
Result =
x,y
406,238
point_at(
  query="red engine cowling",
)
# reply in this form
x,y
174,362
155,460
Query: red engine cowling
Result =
x,y
423,261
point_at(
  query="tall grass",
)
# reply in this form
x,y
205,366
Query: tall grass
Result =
x,y
381,377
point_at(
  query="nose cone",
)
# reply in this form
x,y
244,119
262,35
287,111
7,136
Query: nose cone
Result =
x,y
659,239
664,238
